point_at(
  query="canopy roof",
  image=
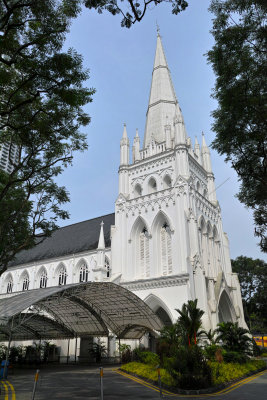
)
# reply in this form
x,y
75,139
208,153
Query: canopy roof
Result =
x,y
82,309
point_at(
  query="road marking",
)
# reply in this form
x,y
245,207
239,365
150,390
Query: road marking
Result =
x,y
12,390
8,385
229,389
6,390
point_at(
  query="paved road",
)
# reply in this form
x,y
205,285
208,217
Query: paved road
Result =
x,y
82,383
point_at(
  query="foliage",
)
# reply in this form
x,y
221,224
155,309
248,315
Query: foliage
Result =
x,y
125,351
170,338
189,367
210,351
3,350
238,58
98,350
41,100
148,372
189,321
233,337
147,357
226,372
252,276
132,11
235,357
211,336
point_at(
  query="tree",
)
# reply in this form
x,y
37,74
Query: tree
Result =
x,y
239,60
41,100
234,338
253,281
190,320
132,11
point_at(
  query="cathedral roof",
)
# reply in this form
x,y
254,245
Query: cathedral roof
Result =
x,y
69,239
163,104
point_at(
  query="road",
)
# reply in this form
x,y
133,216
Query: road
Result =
x,y
82,383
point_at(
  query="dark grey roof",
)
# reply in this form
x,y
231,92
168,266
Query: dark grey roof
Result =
x,y
70,239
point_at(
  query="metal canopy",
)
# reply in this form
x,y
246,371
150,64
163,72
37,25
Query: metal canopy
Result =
x,y
82,309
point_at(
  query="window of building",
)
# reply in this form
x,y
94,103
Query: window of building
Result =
x,y
152,186
43,280
144,253
9,286
84,273
166,257
107,266
62,276
25,283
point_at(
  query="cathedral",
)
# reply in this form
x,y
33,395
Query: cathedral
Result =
x,y
165,242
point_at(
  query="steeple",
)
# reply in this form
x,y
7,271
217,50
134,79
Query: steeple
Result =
x,y
101,241
136,147
197,149
124,147
162,99
207,165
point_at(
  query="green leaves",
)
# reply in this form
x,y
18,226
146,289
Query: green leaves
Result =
x,y
239,60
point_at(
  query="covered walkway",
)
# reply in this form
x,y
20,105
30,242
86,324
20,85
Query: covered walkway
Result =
x,y
83,309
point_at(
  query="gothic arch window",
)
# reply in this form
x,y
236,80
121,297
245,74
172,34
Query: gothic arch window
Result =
x,y
167,182
43,279
144,252
84,273
165,248
205,193
198,186
137,190
107,266
152,185
62,276
163,244
25,282
9,284
140,238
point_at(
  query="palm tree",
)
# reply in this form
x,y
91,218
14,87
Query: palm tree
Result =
x,y
210,335
190,321
234,338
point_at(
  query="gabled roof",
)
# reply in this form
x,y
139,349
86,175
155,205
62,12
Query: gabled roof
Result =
x,y
70,239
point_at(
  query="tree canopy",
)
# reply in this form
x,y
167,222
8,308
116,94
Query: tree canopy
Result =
x,y
132,11
239,61
41,100
253,282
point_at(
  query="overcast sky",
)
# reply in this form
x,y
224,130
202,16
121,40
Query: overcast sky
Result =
x,y
120,62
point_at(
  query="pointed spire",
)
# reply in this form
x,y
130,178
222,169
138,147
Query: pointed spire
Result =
x,y
204,144
124,147
205,152
197,148
162,98
124,134
101,241
136,147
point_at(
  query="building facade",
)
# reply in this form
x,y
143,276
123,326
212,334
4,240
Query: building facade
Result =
x,y
165,241
9,154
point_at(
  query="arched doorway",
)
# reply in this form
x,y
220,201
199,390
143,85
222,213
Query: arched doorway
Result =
x,y
225,308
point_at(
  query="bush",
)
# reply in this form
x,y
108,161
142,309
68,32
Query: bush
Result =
x,y
210,352
189,367
147,357
235,357
149,372
226,372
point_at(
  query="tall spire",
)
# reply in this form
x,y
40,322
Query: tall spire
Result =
x,y
162,99
101,241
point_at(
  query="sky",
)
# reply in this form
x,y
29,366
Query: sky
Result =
x,y
120,61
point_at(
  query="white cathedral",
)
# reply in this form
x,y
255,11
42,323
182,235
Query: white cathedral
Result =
x,y
165,242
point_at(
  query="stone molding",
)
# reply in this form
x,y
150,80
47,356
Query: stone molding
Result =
x,y
154,283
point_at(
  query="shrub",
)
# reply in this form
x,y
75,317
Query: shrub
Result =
x,y
234,357
210,351
226,372
147,357
149,372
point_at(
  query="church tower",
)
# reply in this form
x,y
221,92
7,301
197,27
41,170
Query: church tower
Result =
x,y
168,244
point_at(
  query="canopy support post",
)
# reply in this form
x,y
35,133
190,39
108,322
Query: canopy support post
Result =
x,y
68,353
75,358
7,355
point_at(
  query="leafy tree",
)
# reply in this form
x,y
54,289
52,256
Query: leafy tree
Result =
x,y
41,100
253,282
189,321
239,60
211,336
234,337
132,11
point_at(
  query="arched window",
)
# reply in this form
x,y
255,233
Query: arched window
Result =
x,y
107,266
43,279
84,273
144,253
137,190
62,276
166,256
9,285
167,182
25,283
152,185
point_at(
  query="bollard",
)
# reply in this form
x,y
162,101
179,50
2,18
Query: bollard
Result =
x,y
159,382
101,383
35,383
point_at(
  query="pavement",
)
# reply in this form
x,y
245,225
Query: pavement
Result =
x,y
82,383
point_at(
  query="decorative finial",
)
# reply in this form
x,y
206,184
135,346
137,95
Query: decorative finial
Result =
x,y
158,30
203,133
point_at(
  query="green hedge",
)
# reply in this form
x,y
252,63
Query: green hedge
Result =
x,y
226,372
221,373
148,372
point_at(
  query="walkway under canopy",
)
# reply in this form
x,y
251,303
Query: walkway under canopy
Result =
x,y
83,309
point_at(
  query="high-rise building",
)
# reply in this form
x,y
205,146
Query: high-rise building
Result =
x,y
8,156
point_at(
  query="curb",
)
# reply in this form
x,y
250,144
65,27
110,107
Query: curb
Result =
x,y
209,390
